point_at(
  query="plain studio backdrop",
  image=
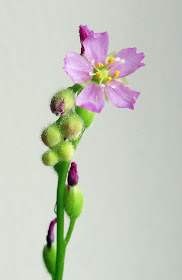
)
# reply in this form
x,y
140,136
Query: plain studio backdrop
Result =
x,y
129,162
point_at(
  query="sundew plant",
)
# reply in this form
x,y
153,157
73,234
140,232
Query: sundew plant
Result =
x,y
98,77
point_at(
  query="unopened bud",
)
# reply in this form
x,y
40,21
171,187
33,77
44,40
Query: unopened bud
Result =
x,y
50,234
65,151
50,158
73,201
63,102
72,127
51,136
73,175
87,116
49,257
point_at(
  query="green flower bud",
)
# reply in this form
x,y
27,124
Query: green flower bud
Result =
x,y
87,116
72,127
73,201
51,136
50,158
49,257
65,151
63,102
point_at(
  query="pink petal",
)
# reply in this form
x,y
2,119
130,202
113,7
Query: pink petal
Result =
x,y
84,32
91,98
77,67
96,47
120,95
133,61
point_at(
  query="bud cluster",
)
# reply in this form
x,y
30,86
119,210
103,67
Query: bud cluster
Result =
x,y
69,127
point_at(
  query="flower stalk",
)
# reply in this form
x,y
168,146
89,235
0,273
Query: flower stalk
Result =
x,y
62,170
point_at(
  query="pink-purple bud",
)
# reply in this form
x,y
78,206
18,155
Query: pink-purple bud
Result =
x,y
50,234
84,32
57,108
73,175
63,102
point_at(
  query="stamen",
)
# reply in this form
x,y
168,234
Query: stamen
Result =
x,y
92,74
112,59
99,74
96,97
116,74
118,59
100,65
102,85
93,61
108,79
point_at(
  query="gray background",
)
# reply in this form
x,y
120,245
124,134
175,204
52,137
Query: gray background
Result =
x,y
129,162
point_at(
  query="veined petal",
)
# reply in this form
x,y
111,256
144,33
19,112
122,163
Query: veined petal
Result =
x,y
77,67
130,61
91,98
120,95
96,47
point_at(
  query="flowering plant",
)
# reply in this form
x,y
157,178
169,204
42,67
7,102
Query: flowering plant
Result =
x,y
98,77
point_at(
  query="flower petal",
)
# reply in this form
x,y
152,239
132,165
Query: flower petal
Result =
x,y
77,67
96,47
132,61
91,98
84,32
120,95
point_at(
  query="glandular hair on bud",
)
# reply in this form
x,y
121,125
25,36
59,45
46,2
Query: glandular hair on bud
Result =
x,y
50,158
73,201
51,136
65,151
72,126
63,102
49,257
87,116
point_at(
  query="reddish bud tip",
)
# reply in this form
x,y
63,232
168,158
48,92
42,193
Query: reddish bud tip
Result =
x,y
73,175
50,234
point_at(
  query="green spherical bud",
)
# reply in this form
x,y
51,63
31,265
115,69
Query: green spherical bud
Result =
x,y
51,136
65,151
87,116
73,201
49,257
63,102
72,127
50,158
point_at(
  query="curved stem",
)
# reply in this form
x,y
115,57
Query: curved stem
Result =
x,y
70,230
62,170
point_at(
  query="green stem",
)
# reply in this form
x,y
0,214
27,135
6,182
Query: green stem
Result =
x,y
62,170
70,230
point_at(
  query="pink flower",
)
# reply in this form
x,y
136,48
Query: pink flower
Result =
x,y
102,72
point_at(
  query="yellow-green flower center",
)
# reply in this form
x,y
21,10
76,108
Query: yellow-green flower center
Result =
x,y
101,73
